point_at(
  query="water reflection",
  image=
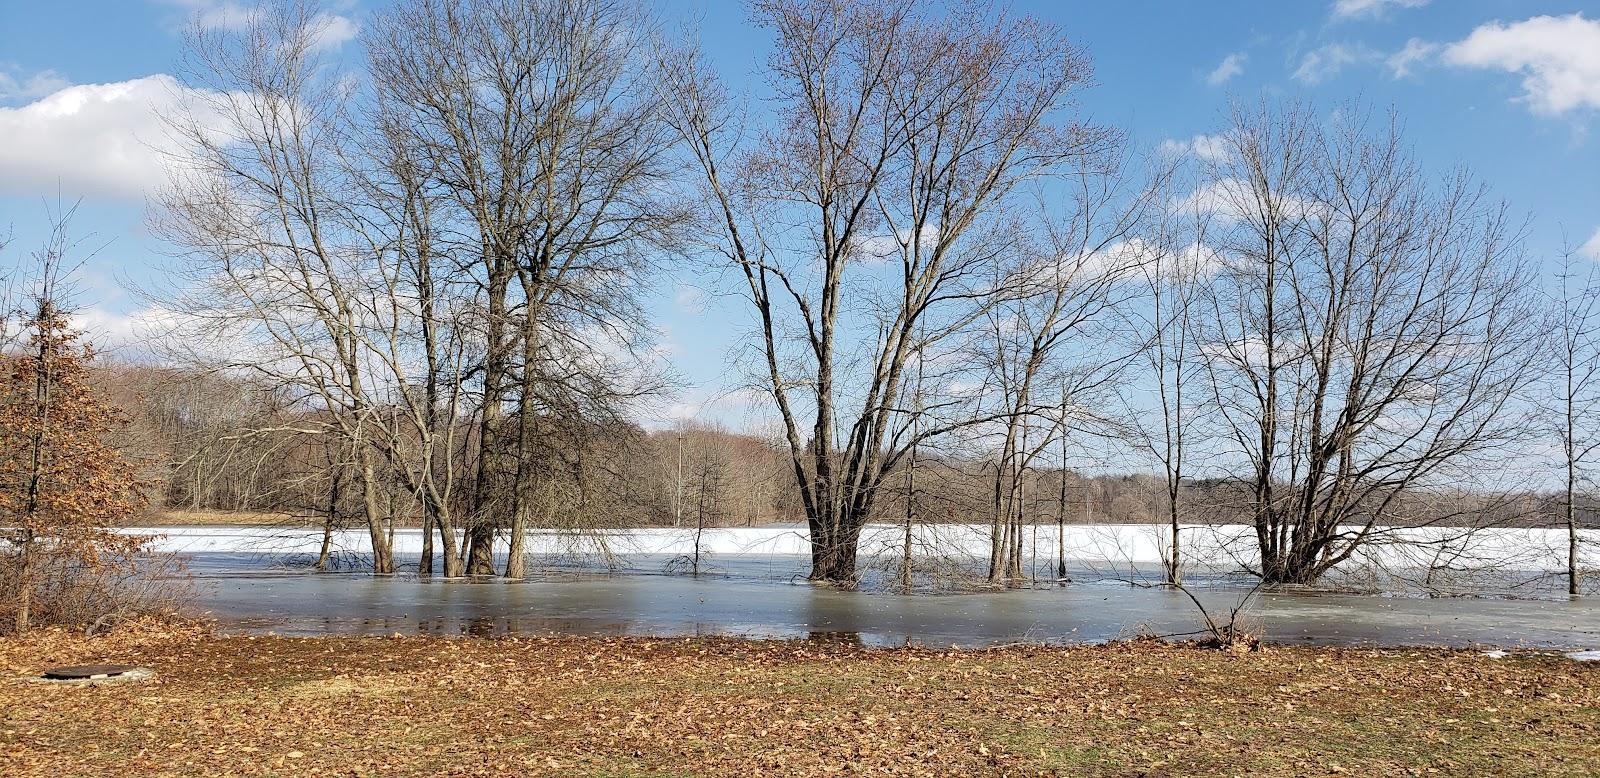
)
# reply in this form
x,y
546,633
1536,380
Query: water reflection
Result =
x,y
764,604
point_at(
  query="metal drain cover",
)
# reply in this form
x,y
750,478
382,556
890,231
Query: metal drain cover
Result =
x,y
87,672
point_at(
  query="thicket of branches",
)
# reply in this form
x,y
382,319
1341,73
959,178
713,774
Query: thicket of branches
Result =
x,y
411,292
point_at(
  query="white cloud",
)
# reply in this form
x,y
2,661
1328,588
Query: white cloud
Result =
x,y
1415,52
218,14
93,140
875,249
690,299
14,87
1348,9
1245,353
1558,57
1324,63
1231,65
1591,249
1211,148
1197,260
1229,199
1129,260
333,31
1115,262
117,331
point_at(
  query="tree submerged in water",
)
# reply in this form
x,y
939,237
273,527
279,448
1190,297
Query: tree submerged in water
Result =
x,y
63,486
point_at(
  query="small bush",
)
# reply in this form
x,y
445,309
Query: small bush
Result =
x,y
68,591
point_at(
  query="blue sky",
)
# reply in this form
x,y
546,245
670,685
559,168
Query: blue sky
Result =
x,y
1510,88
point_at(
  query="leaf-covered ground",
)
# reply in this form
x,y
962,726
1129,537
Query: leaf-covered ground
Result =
x,y
613,707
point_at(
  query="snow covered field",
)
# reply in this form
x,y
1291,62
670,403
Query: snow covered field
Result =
x,y
1131,545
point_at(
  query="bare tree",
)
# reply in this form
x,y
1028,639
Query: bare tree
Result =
x,y
866,224
1050,336
711,485
1367,336
534,123
1576,332
1174,263
261,211
440,265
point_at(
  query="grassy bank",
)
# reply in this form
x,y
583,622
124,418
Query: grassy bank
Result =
x,y
204,518
576,706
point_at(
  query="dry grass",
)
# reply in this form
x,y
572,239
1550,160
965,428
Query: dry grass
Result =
x,y
202,518
95,594
592,707
168,517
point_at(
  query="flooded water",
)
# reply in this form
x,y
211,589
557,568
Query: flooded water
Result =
x,y
247,581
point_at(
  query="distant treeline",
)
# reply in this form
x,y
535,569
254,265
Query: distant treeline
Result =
x,y
221,443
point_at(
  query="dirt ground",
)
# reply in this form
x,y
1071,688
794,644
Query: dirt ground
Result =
x,y
647,707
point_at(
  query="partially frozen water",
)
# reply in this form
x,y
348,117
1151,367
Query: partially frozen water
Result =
x,y
755,588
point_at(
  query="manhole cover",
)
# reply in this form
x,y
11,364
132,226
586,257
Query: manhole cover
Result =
x,y
89,672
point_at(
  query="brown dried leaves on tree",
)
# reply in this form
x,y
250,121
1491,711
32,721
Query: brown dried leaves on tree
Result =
x,y
62,483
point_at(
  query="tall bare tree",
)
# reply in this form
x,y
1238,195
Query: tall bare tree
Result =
x,y
1048,347
1174,264
261,208
536,125
873,212
1367,335
1576,332
443,258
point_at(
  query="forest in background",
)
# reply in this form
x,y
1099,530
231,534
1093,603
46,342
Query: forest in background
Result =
x,y
218,444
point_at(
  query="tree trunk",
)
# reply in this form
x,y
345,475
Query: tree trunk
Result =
x,y
997,529
1572,529
1174,577
425,561
382,551
1572,555
516,566
1296,566
699,525
327,546
480,549
1061,509
1018,512
527,417
1061,517
24,584
833,552
453,562
489,494
1061,535
329,519
911,495
837,567
1174,574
